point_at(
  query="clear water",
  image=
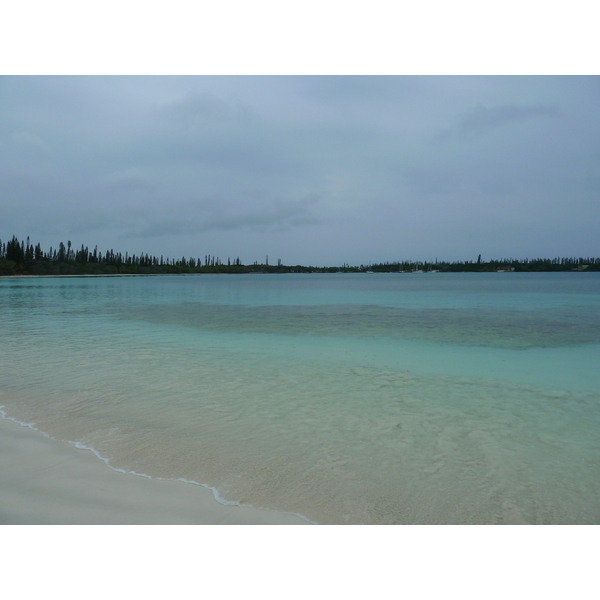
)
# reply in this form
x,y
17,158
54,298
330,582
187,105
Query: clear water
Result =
x,y
347,398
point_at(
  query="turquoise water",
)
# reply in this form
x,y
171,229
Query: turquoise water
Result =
x,y
347,398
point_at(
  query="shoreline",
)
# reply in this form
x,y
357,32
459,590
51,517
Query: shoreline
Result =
x,y
79,275
95,275
44,481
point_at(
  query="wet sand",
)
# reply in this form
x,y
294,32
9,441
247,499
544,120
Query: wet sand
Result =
x,y
49,482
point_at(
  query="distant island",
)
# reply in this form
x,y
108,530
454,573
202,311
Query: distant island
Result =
x,y
23,258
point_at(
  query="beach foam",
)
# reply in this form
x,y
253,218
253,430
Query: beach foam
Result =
x,y
44,481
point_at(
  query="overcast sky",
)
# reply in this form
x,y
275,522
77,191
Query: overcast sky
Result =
x,y
313,170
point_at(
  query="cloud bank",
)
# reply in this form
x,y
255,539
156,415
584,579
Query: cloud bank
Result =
x,y
319,170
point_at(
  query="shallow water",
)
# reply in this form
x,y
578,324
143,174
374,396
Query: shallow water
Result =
x,y
347,398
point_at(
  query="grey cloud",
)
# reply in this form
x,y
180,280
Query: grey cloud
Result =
x,y
241,160
200,109
214,215
30,140
128,180
481,119
432,182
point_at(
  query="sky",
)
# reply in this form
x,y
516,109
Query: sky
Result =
x,y
319,170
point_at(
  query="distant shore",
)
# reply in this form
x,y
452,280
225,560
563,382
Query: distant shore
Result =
x,y
23,258
91,275
48,482
86,275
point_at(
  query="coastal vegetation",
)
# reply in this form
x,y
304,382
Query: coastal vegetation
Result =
x,y
24,258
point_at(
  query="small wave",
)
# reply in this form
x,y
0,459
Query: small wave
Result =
x,y
81,446
4,415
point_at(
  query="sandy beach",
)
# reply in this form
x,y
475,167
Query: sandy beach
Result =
x,y
48,482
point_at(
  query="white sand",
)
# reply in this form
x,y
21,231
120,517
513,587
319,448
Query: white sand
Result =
x,y
45,481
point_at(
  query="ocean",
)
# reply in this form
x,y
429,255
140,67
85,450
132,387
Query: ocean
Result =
x,y
433,398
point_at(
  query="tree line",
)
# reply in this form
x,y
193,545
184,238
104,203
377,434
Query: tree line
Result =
x,y
25,258
559,263
22,257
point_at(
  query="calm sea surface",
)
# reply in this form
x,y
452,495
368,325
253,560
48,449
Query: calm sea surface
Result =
x,y
346,398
